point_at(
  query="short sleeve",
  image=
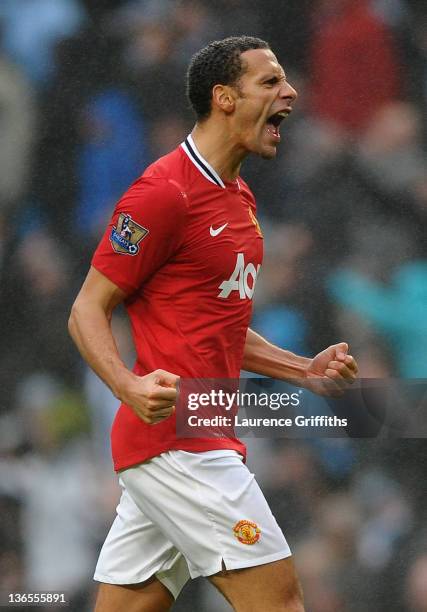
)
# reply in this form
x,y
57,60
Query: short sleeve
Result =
x,y
146,229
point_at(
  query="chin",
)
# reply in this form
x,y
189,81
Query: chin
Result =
x,y
268,152
262,149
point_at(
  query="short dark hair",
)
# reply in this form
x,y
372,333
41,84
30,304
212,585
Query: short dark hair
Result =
x,y
217,63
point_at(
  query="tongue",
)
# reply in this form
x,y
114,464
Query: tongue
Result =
x,y
273,129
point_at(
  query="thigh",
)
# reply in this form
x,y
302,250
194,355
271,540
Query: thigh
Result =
x,y
135,550
150,596
210,506
273,587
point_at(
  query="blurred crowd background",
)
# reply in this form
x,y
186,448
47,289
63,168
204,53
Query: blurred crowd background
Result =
x,y
91,91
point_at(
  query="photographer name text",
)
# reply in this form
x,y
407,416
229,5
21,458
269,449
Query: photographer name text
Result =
x,y
237,421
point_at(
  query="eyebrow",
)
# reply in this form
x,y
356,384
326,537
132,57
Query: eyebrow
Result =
x,y
270,76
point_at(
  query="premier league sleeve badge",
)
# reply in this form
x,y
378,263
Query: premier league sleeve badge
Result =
x,y
126,235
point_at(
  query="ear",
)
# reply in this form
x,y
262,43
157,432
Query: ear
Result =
x,y
224,98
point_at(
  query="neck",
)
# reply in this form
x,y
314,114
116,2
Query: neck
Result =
x,y
215,143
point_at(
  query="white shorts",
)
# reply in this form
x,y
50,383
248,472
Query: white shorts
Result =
x,y
184,515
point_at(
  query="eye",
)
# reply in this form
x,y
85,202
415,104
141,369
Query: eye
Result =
x,y
271,81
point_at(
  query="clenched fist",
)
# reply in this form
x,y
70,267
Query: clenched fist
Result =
x,y
151,397
332,370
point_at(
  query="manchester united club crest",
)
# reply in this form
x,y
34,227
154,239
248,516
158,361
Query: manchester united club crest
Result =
x,y
247,532
126,235
255,221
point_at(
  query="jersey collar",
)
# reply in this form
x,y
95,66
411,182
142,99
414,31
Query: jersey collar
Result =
x,y
200,162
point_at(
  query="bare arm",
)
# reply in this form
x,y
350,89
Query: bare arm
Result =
x,y
90,327
333,365
262,357
152,397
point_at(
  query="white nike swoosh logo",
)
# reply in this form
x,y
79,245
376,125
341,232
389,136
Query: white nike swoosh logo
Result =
x,y
218,230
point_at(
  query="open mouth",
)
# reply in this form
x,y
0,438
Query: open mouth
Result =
x,y
274,121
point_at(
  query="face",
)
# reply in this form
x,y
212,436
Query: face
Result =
x,y
263,99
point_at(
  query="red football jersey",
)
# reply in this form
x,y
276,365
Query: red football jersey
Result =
x,y
186,248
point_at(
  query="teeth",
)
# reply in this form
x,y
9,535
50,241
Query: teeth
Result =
x,y
283,114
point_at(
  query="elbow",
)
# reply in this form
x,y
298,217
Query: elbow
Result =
x,y
72,320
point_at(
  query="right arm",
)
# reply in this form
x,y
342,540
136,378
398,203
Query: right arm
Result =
x,y
152,397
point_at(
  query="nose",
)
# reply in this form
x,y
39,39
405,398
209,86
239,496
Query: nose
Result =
x,y
287,92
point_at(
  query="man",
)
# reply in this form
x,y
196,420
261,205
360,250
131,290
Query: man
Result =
x,y
190,506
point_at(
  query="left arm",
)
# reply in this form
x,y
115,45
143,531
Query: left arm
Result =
x,y
262,357
333,365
